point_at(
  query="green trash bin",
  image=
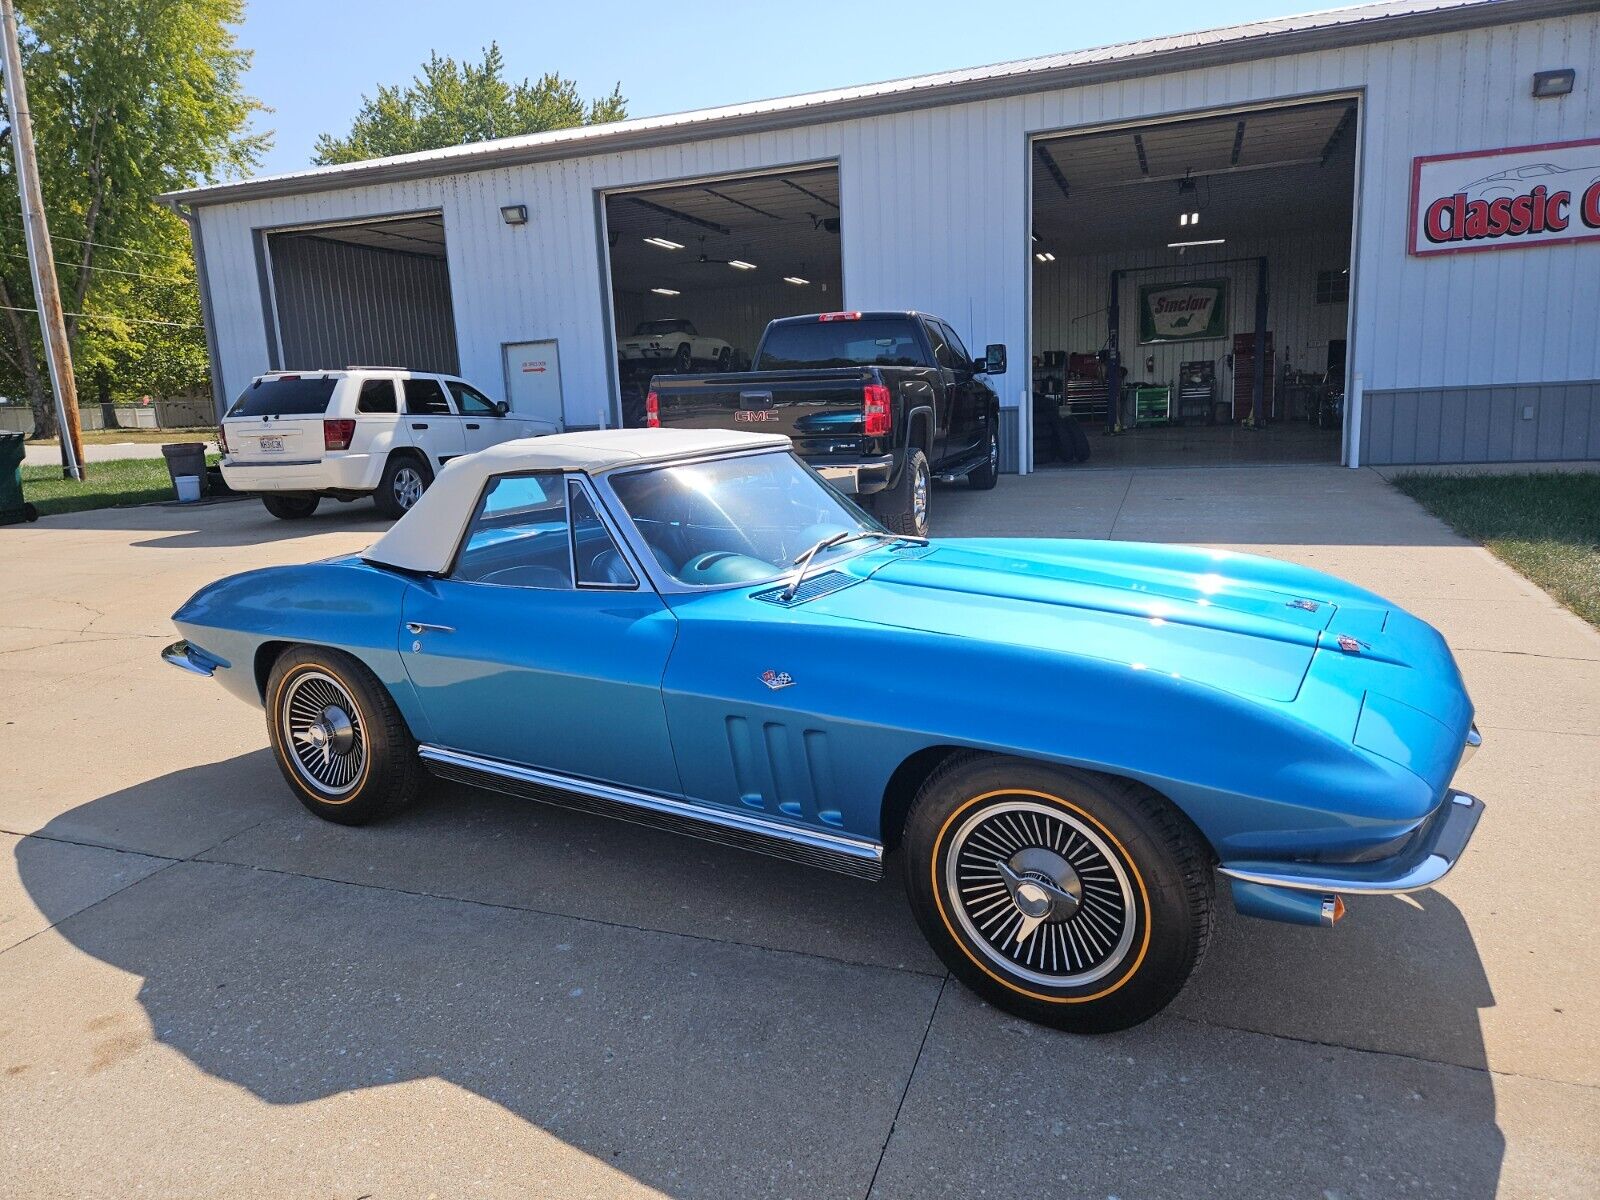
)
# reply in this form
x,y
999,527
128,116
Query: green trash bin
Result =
x,y
13,507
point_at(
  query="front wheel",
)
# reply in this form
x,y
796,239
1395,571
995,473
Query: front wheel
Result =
x,y
291,508
986,476
339,739
683,359
1071,899
904,507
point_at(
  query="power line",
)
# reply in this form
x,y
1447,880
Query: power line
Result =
x,y
107,317
58,237
111,270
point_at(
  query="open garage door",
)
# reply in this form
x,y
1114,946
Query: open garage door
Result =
x,y
373,292
698,269
1191,288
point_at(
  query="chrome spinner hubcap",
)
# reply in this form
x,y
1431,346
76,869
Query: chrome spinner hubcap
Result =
x,y
1040,893
322,730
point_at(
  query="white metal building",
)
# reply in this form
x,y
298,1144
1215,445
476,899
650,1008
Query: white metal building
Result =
x,y
1400,202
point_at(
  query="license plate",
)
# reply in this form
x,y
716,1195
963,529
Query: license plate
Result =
x,y
271,443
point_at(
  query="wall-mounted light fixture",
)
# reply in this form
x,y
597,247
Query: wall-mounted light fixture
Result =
x,y
514,214
1548,84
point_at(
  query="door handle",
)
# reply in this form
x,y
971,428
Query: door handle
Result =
x,y
416,627
418,425
472,424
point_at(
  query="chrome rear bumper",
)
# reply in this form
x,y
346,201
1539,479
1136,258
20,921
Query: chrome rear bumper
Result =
x,y
1422,864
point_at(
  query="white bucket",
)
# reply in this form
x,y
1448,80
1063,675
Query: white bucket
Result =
x,y
188,488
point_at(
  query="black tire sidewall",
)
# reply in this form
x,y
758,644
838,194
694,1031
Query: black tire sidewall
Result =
x,y
1166,939
894,506
392,772
384,497
986,476
291,507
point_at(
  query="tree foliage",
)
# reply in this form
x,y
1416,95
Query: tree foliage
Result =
x,y
450,103
130,98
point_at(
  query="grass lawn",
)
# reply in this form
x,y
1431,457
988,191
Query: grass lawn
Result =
x,y
1546,525
102,437
109,484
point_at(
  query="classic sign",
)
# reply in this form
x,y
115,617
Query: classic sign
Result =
x,y
1545,195
1183,312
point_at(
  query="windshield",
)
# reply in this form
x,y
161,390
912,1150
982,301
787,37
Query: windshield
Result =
x,y
735,520
648,327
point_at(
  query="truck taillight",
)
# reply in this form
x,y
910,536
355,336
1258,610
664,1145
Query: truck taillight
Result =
x,y
875,408
336,435
652,411
222,439
839,316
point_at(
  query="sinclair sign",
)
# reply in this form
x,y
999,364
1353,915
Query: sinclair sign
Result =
x,y
1183,312
1501,199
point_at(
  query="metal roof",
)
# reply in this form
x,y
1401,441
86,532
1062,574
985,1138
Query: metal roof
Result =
x,y
1362,24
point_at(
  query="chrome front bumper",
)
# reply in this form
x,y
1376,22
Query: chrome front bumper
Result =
x,y
1422,864
186,658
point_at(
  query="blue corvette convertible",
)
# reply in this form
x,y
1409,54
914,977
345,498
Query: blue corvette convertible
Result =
x,y
1065,741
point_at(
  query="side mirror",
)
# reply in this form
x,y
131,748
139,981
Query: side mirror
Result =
x,y
994,359
501,408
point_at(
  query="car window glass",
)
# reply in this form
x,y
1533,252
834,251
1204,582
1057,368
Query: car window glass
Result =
x,y
881,341
941,350
471,401
956,346
424,397
598,561
378,396
284,396
518,536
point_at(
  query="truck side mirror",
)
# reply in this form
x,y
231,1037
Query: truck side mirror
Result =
x,y
501,408
994,359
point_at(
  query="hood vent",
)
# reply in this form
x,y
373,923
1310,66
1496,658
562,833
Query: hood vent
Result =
x,y
810,589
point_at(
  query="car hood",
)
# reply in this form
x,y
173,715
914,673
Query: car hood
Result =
x,y
1243,624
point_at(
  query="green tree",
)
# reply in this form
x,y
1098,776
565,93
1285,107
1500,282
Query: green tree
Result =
x,y
130,98
452,102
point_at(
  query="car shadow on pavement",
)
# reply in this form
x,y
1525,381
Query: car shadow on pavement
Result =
x,y
585,976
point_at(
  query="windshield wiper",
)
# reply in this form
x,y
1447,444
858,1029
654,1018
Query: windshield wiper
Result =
x,y
803,561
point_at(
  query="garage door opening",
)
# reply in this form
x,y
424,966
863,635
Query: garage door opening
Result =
x,y
1191,284
698,269
373,293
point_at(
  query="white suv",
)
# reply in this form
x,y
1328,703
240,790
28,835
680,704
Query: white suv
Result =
x,y
294,437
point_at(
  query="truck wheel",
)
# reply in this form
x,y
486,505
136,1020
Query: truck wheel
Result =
x,y
291,508
1071,899
405,478
339,739
904,507
683,360
986,476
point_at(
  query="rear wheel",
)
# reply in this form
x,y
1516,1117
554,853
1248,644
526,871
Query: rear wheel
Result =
x,y
725,359
904,507
405,478
683,359
291,508
339,739
1072,899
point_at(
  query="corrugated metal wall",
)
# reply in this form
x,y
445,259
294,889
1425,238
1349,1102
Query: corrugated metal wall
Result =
x,y
736,315
1536,422
936,217
340,304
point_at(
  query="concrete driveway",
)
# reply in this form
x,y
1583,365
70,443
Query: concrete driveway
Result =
x,y
205,991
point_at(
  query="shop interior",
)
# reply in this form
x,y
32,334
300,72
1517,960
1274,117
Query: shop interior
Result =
x,y
698,269
1164,256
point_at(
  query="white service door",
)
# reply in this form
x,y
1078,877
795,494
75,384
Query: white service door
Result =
x,y
533,385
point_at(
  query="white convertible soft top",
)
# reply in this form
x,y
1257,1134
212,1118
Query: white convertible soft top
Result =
x,y
426,537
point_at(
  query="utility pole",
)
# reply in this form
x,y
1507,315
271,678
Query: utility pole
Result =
x,y
41,259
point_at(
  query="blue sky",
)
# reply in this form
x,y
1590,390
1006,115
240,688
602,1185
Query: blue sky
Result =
x,y
314,59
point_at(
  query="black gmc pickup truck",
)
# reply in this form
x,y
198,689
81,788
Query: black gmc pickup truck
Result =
x,y
879,403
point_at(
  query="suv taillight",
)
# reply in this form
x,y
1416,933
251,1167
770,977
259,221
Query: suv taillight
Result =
x,y
875,408
652,411
222,439
336,435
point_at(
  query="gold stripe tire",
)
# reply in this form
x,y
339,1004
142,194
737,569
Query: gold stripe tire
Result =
x,y
1073,899
338,738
